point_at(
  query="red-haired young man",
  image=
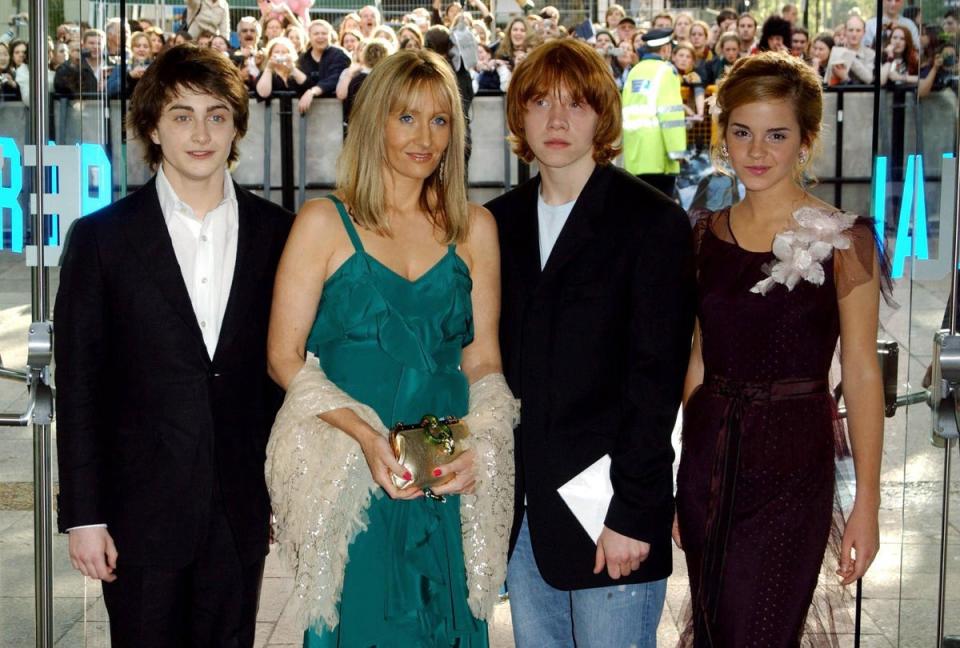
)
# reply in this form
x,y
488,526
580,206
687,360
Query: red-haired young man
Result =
x,y
596,316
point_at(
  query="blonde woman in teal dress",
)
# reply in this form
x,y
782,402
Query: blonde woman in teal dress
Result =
x,y
392,282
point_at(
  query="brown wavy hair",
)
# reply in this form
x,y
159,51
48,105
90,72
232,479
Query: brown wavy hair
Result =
x,y
577,67
769,77
186,67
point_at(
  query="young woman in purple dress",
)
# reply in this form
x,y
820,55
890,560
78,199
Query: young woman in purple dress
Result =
x,y
782,277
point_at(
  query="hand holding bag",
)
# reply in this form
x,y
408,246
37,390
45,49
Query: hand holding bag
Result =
x,y
426,446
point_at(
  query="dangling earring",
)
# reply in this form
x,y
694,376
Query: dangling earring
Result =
x,y
724,152
803,157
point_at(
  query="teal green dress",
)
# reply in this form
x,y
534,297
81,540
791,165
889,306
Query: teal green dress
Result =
x,y
395,345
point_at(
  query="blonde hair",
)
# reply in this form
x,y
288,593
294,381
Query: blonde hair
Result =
x,y
136,36
334,35
390,88
301,34
386,33
280,40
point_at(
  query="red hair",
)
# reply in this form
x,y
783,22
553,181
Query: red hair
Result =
x,y
910,56
580,70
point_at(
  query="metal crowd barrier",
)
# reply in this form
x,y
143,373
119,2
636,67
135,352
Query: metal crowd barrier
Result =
x,y
311,151
843,169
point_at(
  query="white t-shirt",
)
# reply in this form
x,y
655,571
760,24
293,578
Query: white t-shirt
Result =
x,y
551,219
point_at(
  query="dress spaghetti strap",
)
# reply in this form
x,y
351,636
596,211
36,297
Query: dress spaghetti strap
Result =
x,y
347,223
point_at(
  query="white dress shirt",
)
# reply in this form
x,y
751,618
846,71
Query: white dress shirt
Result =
x,y
206,251
551,219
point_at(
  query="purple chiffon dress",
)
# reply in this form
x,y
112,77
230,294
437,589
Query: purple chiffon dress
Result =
x,y
755,488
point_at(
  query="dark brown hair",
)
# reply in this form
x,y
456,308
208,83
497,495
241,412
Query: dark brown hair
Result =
x,y
578,68
186,67
769,77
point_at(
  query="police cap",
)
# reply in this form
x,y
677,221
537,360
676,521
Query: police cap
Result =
x,y
657,37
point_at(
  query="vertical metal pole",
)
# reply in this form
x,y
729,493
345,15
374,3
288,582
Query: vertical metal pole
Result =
x,y
944,529
858,615
267,145
302,148
42,448
61,120
876,79
948,445
123,101
286,152
838,169
506,144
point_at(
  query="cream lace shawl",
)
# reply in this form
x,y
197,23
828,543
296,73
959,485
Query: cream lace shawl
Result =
x,y
320,488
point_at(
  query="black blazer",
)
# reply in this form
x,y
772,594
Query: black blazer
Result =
x,y
149,427
596,347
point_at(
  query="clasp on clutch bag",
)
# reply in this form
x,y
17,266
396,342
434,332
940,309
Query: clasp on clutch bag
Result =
x,y
424,447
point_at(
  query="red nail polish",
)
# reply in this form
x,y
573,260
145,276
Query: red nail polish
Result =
x,y
437,472
407,476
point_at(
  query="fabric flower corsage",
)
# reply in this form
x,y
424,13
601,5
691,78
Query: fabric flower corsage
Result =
x,y
801,251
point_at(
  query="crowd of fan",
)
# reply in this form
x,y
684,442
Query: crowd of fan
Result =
x,y
283,49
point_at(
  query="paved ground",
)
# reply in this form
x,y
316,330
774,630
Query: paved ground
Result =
x,y
900,591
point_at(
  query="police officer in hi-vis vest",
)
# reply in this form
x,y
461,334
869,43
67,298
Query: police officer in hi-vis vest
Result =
x,y
654,131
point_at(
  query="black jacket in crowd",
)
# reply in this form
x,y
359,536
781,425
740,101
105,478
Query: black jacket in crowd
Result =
x,y
325,72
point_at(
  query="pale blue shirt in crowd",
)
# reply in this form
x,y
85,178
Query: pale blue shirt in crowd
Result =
x,y
551,219
206,251
870,30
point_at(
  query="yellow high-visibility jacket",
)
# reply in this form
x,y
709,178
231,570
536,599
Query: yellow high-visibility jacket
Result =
x,y
654,130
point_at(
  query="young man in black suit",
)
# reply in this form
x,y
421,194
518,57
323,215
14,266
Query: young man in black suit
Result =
x,y
164,405
597,314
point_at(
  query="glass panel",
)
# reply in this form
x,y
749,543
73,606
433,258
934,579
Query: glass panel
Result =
x,y
918,144
86,129
17,621
937,127
78,180
16,447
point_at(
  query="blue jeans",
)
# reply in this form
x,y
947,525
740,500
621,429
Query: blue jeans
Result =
x,y
620,616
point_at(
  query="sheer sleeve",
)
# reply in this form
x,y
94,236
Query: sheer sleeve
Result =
x,y
863,259
700,221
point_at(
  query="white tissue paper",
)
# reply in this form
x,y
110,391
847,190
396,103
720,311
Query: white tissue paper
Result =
x,y
588,495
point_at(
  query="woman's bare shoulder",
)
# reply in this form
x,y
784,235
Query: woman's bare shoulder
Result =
x,y
481,242
483,226
319,217
319,232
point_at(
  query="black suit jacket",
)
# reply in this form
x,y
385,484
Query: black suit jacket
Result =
x,y
326,72
150,428
596,347
71,80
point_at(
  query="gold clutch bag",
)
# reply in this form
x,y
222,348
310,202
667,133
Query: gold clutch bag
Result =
x,y
425,446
